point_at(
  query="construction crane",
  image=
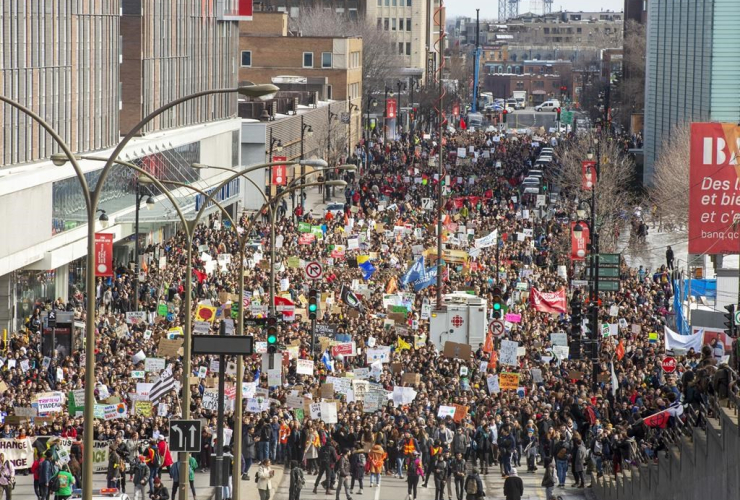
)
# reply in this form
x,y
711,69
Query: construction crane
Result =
x,y
507,9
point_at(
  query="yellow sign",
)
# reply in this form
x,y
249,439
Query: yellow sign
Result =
x,y
508,381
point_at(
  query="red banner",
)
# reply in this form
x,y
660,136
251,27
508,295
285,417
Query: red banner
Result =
x,y
391,106
714,182
245,8
579,245
456,109
588,175
279,172
549,302
103,254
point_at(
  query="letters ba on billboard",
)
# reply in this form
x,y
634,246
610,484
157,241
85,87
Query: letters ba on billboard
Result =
x,y
714,192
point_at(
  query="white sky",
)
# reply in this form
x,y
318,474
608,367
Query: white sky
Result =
x,y
489,8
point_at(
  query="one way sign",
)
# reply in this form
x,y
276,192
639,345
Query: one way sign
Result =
x,y
185,435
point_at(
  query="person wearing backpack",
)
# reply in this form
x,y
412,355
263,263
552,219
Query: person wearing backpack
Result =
x,y
482,440
506,448
297,481
152,459
561,460
7,476
474,486
343,474
64,484
176,476
139,477
327,458
415,472
457,470
165,457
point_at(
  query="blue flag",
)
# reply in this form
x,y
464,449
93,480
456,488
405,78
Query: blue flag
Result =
x,y
367,269
329,364
415,272
429,278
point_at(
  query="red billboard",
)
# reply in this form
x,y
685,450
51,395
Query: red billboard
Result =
x,y
391,107
714,188
279,172
103,254
588,176
579,245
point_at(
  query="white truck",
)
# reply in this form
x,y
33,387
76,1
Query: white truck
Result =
x,y
463,320
521,98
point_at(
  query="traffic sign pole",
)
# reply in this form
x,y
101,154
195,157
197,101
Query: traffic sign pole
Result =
x,y
185,436
314,270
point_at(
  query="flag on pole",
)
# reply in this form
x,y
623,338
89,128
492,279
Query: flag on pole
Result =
x,y
402,344
615,381
414,273
163,386
349,298
620,350
367,269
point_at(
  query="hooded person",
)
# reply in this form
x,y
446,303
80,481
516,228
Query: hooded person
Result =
x,y
513,486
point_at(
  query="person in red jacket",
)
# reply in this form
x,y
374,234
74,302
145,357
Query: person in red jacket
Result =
x,y
164,452
35,470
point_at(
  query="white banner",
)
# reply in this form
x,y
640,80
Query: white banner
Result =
x,y
487,241
18,451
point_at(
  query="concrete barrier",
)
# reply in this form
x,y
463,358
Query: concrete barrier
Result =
x,y
702,466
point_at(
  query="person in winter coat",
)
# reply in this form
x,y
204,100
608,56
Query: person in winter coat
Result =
x,y
457,471
377,458
474,486
114,469
513,486
343,473
530,451
327,458
579,459
140,478
160,491
164,452
297,481
460,442
548,481
506,446
311,445
482,440
264,479
440,469
415,472
35,471
47,469
357,462
249,447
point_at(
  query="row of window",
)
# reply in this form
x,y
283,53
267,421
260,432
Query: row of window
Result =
x,y
400,48
326,59
394,24
394,3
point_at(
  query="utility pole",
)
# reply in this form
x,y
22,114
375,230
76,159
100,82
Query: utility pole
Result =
x,y
476,70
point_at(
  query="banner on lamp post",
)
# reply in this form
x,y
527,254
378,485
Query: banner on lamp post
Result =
x,y
456,109
579,244
391,107
103,254
714,180
588,177
279,172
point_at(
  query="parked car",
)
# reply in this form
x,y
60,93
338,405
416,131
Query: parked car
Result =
x,y
336,209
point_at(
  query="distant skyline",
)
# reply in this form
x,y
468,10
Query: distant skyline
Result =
x,y
489,8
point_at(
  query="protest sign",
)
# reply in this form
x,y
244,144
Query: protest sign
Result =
x,y
509,381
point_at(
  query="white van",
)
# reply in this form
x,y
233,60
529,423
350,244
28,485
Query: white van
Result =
x,y
550,105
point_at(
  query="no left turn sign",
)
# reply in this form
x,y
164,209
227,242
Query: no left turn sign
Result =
x,y
496,327
314,270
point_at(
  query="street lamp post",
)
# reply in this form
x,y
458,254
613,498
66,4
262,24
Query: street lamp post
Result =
x,y
277,145
352,107
92,198
401,86
149,204
305,130
370,102
331,116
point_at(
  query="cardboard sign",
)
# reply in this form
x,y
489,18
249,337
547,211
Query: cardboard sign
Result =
x,y
169,348
509,381
455,350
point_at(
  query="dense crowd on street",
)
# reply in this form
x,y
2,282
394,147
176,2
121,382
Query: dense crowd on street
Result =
x,y
555,419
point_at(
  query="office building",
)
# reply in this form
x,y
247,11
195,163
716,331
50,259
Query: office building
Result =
x,y
693,67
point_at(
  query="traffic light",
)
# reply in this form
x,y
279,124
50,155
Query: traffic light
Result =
x,y
506,112
574,349
272,335
576,316
497,303
313,304
557,110
730,320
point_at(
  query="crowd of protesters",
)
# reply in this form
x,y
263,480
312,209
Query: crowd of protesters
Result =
x,y
557,424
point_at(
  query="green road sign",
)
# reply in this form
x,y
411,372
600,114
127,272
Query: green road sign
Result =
x,y
608,286
609,259
566,117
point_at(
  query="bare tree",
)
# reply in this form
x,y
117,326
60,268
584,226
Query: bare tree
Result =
x,y
380,59
616,175
670,193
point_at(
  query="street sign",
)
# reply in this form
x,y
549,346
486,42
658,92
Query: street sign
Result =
x,y
255,321
427,204
51,319
669,364
496,327
566,117
737,315
314,271
238,345
185,435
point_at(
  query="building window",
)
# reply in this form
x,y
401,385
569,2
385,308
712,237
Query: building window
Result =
x,y
395,3
246,58
380,23
408,24
400,48
400,24
408,3
380,3
386,24
393,24
328,92
387,3
308,59
408,48
326,60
